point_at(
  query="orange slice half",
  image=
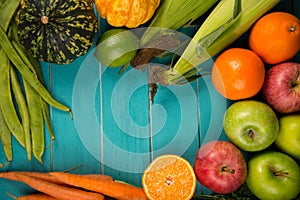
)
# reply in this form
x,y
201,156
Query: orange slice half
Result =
x,y
169,177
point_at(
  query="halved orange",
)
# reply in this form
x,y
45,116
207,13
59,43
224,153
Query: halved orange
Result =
x,y
169,177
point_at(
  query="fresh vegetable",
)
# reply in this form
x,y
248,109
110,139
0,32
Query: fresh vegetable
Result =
x,y
34,104
76,184
118,190
12,175
6,140
227,22
126,13
6,102
7,11
99,177
171,15
58,191
26,73
37,196
23,110
57,31
16,112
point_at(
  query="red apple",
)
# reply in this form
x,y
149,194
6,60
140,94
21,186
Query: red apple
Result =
x,y
281,88
220,166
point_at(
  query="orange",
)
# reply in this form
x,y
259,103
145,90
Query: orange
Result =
x,y
238,73
169,177
275,37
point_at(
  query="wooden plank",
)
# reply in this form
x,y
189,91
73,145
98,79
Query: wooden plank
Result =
x,y
68,144
175,122
124,122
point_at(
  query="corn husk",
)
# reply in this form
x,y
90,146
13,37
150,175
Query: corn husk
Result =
x,y
225,24
173,14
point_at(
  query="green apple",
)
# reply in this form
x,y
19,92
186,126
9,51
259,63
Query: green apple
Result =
x,y
273,175
251,125
288,139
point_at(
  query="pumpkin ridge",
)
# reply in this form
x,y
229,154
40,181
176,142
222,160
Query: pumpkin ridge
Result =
x,y
137,13
129,11
117,13
147,11
152,5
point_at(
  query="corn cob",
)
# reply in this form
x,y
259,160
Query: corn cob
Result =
x,y
173,14
226,23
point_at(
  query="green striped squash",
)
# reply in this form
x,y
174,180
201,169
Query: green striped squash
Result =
x,y
57,31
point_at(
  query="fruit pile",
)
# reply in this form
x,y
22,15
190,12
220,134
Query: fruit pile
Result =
x,y
262,124
264,120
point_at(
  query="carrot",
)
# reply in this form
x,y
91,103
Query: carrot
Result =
x,y
58,191
37,196
9,175
43,176
99,176
118,190
48,177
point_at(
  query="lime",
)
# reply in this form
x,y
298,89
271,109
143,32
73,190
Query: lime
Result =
x,y
116,47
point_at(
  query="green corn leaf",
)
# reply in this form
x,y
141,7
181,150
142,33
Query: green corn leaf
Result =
x,y
226,23
173,14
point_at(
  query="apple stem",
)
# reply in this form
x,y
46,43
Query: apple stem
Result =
x,y
297,75
280,173
295,82
227,169
251,133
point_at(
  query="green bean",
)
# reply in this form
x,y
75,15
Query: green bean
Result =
x,y
34,103
35,110
30,61
7,11
6,101
47,118
22,53
5,136
23,109
36,121
14,32
45,107
27,74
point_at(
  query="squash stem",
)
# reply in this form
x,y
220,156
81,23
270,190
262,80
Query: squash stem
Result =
x,y
44,19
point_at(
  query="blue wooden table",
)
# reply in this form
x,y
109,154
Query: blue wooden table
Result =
x,y
115,129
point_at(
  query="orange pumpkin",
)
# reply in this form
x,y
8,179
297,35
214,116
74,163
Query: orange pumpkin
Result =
x,y
129,13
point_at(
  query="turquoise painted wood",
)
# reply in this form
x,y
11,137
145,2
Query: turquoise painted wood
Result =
x,y
115,129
